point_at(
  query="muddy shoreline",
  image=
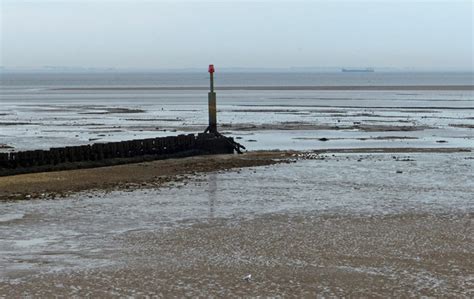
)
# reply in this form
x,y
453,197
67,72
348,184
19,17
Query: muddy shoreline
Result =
x,y
157,173
344,223
368,195
127,176
305,255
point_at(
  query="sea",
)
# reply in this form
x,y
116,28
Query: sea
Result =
x,y
31,80
267,110
82,231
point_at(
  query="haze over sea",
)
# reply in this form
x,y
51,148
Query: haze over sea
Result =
x,y
20,80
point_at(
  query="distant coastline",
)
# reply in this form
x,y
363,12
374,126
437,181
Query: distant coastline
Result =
x,y
352,70
334,69
276,87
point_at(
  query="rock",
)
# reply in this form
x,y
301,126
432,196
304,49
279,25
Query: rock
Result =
x,y
247,277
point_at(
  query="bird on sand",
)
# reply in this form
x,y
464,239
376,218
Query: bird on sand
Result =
x,y
248,277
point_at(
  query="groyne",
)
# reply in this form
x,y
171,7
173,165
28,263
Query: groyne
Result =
x,y
113,153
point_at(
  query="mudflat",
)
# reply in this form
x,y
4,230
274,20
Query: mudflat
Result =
x,y
304,255
347,223
129,176
375,200
156,173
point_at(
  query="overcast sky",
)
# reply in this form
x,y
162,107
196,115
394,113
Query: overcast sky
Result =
x,y
232,33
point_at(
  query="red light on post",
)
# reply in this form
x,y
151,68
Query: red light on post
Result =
x,y
211,68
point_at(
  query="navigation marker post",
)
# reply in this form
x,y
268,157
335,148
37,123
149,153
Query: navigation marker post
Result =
x,y
212,104
212,128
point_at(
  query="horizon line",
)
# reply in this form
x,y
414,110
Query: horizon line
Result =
x,y
228,68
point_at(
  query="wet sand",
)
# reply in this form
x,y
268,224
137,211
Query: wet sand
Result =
x,y
339,223
129,176
55,118
286,126
377,204
296,256
156,173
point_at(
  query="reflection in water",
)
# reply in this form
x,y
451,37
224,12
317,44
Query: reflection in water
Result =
x,y
212,179
346,184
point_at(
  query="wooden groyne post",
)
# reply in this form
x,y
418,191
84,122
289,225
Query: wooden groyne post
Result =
x,y
212,128
113,153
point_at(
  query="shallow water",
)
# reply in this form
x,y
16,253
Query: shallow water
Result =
x,y
36,115
79,231
44,122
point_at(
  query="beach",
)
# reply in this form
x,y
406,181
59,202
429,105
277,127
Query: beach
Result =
x,y
128,176
364,225
302,256
346,190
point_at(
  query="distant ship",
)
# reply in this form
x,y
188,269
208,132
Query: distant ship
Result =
x,y
366,70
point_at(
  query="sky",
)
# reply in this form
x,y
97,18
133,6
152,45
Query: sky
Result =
x,y
268,34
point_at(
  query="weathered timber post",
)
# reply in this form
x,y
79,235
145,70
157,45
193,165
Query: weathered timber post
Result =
x,y
212,128
4,159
